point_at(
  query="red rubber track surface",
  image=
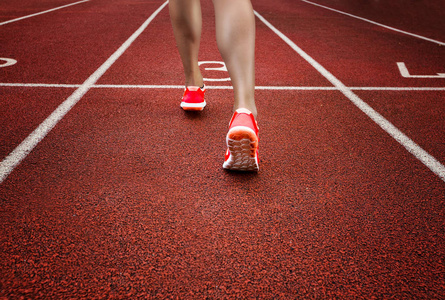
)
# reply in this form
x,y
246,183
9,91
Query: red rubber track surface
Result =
x,y
126,196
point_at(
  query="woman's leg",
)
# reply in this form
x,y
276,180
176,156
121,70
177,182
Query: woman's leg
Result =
x,y
235,36
186,19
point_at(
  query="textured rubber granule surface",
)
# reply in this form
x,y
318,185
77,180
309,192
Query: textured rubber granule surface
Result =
x,y
118,208
126,197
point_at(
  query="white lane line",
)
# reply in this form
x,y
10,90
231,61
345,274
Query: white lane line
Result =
x,y
138,86
215,87
227,87
49,85
15,157
383,88
42,12
427,159
378,24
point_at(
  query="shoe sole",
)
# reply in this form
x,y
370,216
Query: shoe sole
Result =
x,y
193,106
243,145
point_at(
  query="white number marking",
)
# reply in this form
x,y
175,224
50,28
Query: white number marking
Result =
x,y
223,68
7,62
405,73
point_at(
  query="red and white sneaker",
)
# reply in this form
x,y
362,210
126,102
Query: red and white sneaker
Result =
x,y
193,98
242,142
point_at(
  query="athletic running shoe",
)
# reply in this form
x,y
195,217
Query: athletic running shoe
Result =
x,y
242,142
193,98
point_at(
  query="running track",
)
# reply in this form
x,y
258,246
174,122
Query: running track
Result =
x,y
109,190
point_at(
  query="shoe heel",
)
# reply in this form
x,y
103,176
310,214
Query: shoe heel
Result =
x,y
242,143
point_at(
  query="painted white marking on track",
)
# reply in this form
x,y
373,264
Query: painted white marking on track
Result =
x,y
226,87
42,12
405,73
49,85
389,88
427,159
8,62
378,24
26,146
223,68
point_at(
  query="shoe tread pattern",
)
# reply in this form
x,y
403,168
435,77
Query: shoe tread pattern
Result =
x,y
243,146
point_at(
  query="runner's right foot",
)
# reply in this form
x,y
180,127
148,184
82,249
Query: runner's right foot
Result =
x,y
242,142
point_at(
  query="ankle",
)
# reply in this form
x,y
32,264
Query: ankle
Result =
x,y
194,80
253,109
194,83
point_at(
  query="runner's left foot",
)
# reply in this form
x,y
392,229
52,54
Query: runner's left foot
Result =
x,y
193,98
